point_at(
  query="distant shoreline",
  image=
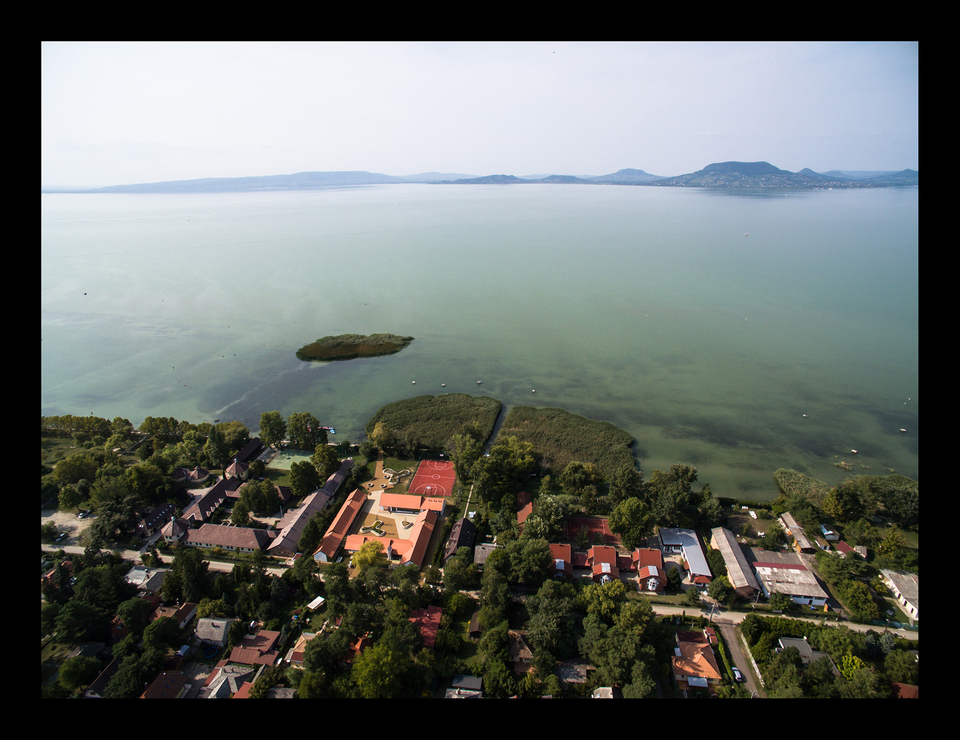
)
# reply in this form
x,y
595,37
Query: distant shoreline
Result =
x,y
742,175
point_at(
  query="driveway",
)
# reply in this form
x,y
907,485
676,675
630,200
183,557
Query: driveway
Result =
x,y
740,659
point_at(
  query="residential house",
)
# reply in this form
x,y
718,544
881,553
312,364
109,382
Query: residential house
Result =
x,y
95,689
906,589
807,654
520,653
182,613
465,687
191,477
213,630
904,691
694,663
602,561
651,573
225,680
562,554
296,653
686,542
475,630
800,541
168,685
155,519
844,549
258,649
481,552
462,534
739,572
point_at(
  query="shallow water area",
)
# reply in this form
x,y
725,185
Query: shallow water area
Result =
x,y
648,308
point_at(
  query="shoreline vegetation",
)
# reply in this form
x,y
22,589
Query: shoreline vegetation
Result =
x,y
429,422
352,346
561,437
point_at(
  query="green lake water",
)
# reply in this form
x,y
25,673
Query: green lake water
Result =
x,y
736,332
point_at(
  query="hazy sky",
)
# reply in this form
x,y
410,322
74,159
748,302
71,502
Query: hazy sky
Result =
x,y
119,113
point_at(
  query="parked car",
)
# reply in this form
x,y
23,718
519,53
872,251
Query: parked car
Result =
x,y
737,676
83,514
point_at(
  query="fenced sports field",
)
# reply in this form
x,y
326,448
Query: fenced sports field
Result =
x,y
433,478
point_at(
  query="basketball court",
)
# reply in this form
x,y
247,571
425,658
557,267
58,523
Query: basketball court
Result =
x,y
433,478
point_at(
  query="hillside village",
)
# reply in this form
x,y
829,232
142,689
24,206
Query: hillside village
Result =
x,y
400,577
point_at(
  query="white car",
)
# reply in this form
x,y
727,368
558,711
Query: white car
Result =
x,y
737,676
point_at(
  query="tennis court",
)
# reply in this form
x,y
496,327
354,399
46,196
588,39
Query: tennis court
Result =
x,y
594,526
433,478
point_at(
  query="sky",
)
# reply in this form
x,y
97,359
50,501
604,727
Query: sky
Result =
x,y
118,113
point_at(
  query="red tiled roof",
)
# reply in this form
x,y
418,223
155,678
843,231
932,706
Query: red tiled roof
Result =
x,y
427,620
337,531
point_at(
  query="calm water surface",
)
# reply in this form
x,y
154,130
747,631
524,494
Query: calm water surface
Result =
x,y
738,333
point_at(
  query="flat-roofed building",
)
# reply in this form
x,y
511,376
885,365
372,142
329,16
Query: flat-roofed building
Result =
x,y
793,580
906,587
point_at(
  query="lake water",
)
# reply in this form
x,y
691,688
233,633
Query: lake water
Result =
x,y
739,333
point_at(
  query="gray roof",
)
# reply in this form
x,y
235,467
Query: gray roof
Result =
x,y
908,584
213,629
692,551
738,569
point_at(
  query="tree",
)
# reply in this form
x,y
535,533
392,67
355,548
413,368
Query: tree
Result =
x,y
70,497
79,622
632,520
216,448
529,561
901,666
134,613
549,515
464,450
273,428
576,476
460,573
325,460
378,672
310,537
305,432
241,514
77,672
627,482
721,589
304,478
370,555
604,599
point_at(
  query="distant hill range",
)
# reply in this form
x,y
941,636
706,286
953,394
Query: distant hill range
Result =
x,y
756,175
748,175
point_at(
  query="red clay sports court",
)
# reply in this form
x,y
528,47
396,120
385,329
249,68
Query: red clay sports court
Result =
x,y
433,478
594,525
